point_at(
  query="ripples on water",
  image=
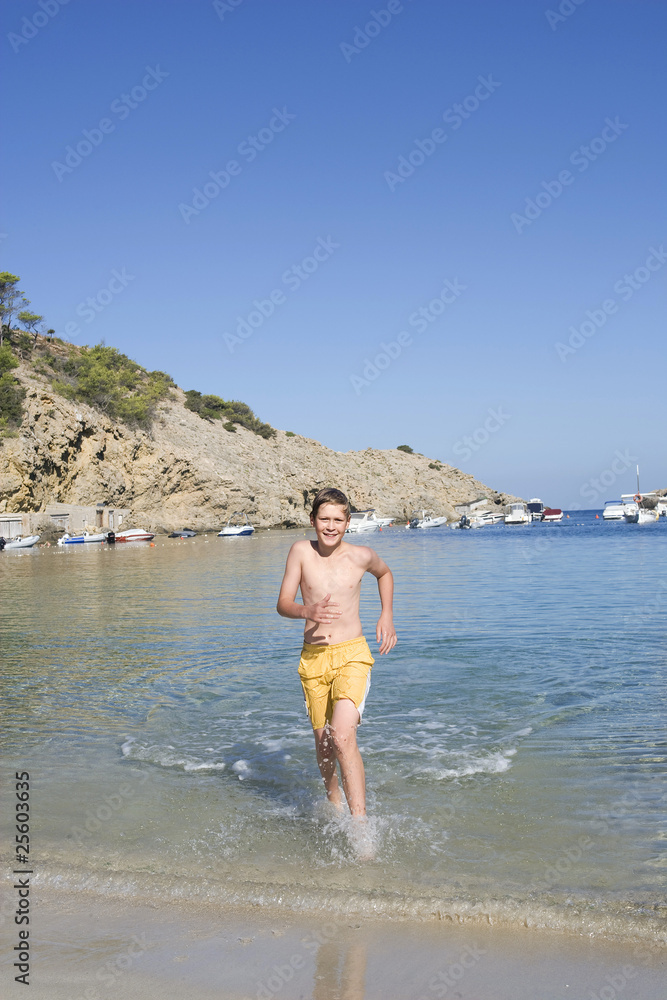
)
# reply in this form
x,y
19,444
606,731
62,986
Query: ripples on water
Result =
x,y
513,740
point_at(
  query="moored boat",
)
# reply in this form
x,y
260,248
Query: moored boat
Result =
x,y
613,510
636,514
367,520
552,514
100,536
518,513
478,519
634,510
184,533
425,521
131,535
536,509
20,542
232,530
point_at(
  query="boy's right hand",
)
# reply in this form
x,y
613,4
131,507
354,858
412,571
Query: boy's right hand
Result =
x,y
323,612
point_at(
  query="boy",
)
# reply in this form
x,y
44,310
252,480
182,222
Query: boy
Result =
x,y
335,661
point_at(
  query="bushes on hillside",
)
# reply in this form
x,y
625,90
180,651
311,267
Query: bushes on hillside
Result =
x,y
12,394
110,381
234,412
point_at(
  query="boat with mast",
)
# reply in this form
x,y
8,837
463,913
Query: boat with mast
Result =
x,y
634,512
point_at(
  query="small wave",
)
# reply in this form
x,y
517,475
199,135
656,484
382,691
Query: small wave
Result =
x,y
494,763
169,757
582,917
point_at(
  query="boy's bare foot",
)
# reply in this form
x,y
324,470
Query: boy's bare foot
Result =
x,y
361,837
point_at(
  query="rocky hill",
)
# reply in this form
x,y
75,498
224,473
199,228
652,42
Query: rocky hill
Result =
x,y
183,470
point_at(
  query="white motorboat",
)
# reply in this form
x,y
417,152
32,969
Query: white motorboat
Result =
x,y
232,530
633,511
21,543
367,520
100,536
536,509
552,514
613,510
425,521
131,535
661,507
518,513
486,517
634,514
362,521
478,520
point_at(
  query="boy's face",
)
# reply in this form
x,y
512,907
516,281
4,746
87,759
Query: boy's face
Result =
x,y
330,523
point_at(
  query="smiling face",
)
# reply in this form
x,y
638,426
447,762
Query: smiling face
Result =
x,y
330,523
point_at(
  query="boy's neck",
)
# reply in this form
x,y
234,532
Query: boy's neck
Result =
x,y
328,550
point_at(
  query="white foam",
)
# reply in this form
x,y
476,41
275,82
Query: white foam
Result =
x,y
495,763
167,757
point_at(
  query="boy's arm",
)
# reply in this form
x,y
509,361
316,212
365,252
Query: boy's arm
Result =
x,y
323,612
385,633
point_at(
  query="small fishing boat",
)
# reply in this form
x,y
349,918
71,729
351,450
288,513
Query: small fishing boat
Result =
x,y
21,543
131,535
552,514
100,536
425,521
184,533
518,513
232,530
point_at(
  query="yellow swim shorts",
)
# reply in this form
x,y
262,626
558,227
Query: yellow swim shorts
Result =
x,y
329,673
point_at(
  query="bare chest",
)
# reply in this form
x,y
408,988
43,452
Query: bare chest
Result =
x,y
331,577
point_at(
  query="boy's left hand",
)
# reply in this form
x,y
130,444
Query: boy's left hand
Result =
x,y
385,633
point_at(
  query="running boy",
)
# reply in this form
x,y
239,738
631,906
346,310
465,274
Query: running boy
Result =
x,y
335,661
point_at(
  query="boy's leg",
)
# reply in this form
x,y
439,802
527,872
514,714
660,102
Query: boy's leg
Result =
x,y
343,728
326,760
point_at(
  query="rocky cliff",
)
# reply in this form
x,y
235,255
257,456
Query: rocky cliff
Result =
x,y
187,471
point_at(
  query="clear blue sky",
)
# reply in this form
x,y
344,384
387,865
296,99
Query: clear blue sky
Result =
x,y
181,86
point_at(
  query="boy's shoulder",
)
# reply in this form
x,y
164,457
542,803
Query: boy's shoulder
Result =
x,y
363,555
302,546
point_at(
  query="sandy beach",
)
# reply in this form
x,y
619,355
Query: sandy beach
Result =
x,y
91,949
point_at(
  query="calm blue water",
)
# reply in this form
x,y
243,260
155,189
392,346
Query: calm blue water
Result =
x,y
513,741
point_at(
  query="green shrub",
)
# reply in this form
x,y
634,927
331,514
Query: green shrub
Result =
x,y
405,447
211,407
108,380
290,434
7,359
12,395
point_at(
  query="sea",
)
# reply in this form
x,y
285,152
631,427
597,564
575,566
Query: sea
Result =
x,y
514,740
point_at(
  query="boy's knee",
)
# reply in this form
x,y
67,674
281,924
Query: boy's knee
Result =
x,y
345,739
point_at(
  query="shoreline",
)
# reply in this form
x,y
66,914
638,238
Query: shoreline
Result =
x,y
84,945
231,890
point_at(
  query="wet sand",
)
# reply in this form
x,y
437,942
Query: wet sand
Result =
x,y
87,948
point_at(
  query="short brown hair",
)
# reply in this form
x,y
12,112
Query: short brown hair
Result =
x,y
331,495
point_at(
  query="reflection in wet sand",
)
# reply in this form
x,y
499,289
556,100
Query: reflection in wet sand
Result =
x,y
340,971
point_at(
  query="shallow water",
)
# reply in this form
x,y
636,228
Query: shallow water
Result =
x,y
513,741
